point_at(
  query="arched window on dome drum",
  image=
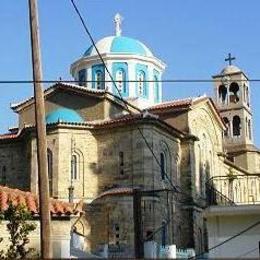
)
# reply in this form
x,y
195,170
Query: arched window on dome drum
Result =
x,y
121,80
236,126
82,77
141,83
50,171
156,90
99,79
233,92
222,94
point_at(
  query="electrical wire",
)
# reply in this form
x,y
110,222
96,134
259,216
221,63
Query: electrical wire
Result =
x,y
119,93
227,240
128,81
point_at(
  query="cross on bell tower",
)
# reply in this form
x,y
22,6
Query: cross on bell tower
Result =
x,y
229,59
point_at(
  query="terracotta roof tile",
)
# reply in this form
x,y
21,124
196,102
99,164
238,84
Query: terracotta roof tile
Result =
x,y
30,200
116,191
9,136
172,104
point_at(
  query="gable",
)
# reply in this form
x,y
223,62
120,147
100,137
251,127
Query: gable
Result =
x,y
90,105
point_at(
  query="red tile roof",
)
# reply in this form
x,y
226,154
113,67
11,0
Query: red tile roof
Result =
x,y
30,201
8,136
179,103
116,192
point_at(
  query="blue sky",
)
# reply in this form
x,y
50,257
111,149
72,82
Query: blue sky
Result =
x,y
191,36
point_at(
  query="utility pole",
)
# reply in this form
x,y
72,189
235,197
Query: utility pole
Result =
x,y
139,246
43,182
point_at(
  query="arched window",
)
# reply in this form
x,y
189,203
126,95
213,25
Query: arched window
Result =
x,y
99,79
141,83
163,165
82,77
222,94
227,124
233,92
3,175
156,90
236,126
50,171
164,233
249,129
74,167
200,241
120,80
247,95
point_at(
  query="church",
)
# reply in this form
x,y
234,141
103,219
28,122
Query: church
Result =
x,y
108,137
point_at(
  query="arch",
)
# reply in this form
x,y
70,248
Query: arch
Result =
x,y
156,90
234,92
227,124
82,77
236,126
141,83
77,165
121,80
50,170
200,241
249,129
165,164
247,96
222,94
164,233
99,79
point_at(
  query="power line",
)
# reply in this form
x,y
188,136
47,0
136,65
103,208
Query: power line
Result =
x,y
119,93
23,81
227,240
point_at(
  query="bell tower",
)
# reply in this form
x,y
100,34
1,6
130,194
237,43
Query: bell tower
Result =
x,y
232,98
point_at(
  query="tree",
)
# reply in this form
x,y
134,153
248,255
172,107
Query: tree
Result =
x,y
19,227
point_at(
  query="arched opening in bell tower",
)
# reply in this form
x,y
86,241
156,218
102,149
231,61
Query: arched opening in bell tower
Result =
x,y
233,92
227,124
236,126
222,94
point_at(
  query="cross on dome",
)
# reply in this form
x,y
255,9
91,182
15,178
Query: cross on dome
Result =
x,y
118,22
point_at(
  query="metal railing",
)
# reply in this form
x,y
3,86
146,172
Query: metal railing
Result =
x,y
233,190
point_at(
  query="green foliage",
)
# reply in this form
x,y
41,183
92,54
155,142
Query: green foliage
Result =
x,y
19,227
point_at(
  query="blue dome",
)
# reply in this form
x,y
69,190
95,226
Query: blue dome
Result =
x,y
119,45
63,115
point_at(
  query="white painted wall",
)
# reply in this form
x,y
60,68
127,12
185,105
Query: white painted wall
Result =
x,y
221,228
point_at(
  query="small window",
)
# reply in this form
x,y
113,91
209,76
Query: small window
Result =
x,y
163,165
121,158
156,90
227,124
82,77
120,81
164,233
74,167
99,78
50,171
141,83
236,126
249,129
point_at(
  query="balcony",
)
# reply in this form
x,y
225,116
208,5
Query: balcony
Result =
x,y
233,190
